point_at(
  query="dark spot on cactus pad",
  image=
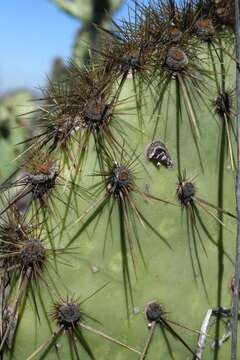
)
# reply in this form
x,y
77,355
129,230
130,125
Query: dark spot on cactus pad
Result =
x,y
176,59
158,154
33,253
154,312
185,192
67,314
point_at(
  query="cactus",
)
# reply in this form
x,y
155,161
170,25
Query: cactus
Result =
x,y
130,227
13,127
58,72
91,13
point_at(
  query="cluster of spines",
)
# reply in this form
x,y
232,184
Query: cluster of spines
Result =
x,y
159,47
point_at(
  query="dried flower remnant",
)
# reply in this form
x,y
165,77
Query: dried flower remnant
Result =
x,y
176,59
159,155
205,29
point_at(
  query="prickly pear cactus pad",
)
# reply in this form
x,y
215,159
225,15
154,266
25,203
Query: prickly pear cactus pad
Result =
x,y
83,9
91,13
125,248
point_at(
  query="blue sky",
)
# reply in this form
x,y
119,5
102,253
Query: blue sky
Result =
x,y
33,32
